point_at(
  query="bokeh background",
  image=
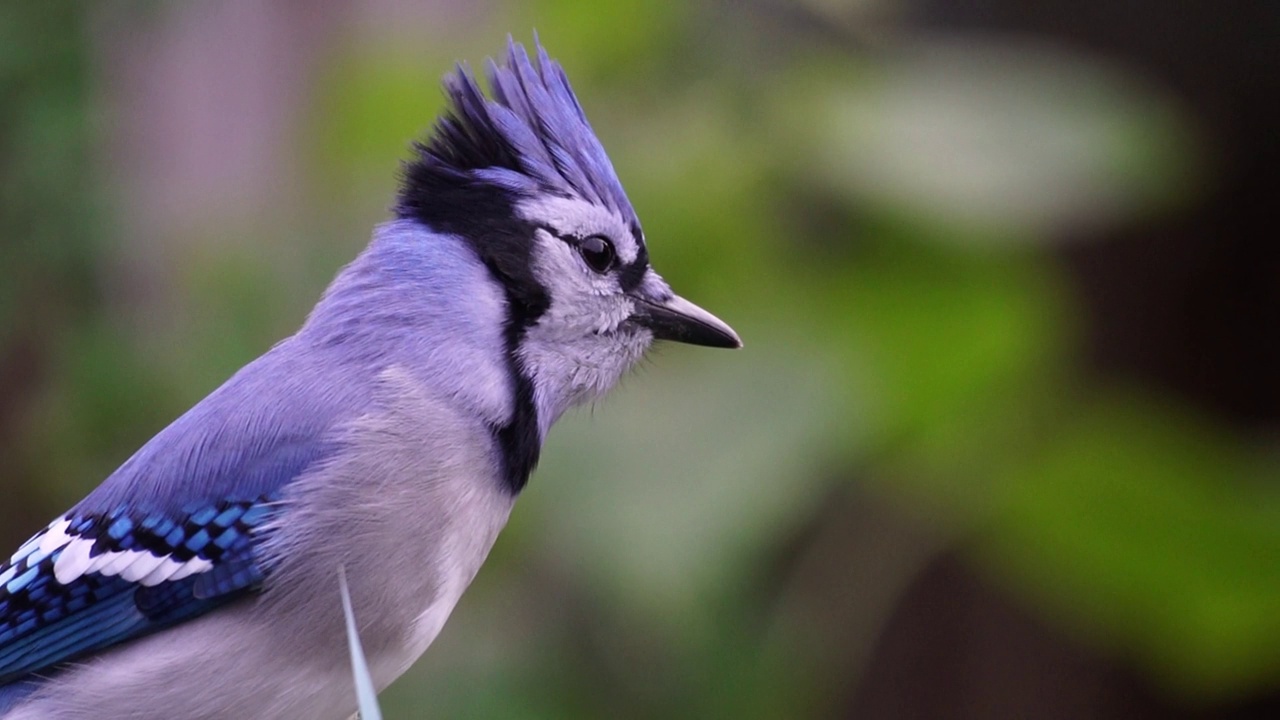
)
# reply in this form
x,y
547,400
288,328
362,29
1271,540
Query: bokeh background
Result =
x,y
1002,443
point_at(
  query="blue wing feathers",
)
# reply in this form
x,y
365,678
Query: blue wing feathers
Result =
x,y
172,533
44,622
81,632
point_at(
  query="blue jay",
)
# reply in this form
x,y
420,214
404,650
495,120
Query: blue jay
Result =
x,y
389,436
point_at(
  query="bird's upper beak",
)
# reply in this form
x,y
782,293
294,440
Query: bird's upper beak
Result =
x,y
680,320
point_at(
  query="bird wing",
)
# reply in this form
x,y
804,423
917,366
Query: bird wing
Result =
x,y
169,536
91,580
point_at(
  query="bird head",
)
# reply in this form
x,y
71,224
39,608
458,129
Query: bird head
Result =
x,y
522,178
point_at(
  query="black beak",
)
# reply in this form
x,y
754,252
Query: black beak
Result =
x,y
680,320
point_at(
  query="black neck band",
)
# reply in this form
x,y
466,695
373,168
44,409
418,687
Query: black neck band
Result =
x,y
484,216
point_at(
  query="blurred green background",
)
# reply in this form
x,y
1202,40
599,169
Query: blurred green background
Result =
x,y
1003,439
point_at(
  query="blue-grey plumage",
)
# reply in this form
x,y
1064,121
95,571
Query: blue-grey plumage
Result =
x,y
390,436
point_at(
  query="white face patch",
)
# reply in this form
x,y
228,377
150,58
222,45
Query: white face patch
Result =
x,y
581,345
582,301
577,218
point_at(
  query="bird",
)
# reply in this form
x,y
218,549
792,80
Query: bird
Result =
x,y
387,438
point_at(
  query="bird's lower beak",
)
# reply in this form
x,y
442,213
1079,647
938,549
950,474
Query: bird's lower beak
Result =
x,y
680,320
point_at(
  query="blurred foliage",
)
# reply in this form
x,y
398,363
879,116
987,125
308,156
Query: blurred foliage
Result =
x,y
878,228
43,154
49,208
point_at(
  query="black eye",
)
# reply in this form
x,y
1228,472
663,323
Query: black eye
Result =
x,y
598,252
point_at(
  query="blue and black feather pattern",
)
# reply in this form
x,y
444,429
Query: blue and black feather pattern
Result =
x,y
45,621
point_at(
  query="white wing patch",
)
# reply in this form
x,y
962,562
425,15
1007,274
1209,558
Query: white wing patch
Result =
x,y
140,566
73,562
39,546
53,538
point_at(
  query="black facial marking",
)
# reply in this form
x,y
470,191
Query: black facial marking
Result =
x,y
484,215
632,274
518,439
